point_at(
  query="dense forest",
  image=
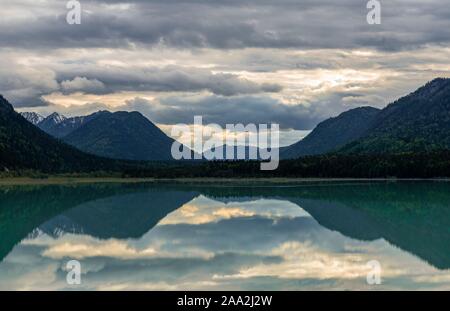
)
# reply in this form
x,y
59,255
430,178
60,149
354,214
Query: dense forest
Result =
x,y
405,165
25,147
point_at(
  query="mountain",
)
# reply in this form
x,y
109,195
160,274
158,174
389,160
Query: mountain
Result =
x,y
419,122
59,126
122,135
24,146
368,212
145,209
50,122
333,133
33,117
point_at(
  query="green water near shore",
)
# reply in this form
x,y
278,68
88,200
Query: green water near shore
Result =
x,y
228,235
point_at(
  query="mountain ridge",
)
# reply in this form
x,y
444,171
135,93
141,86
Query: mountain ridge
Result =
x,y
33,117
122,135
59,126
116,135
333,133
24,146
417,122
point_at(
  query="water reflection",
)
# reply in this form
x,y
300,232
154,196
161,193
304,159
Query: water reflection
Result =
x,y
178,236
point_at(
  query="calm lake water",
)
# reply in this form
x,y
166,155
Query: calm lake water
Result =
x,y
226,236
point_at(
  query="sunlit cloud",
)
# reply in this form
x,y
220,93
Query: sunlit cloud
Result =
x,y
204,210
219,245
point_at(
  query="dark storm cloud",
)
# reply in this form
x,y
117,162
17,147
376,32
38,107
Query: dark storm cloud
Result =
x,y
303,24
240,109
105,80
23,86
320,56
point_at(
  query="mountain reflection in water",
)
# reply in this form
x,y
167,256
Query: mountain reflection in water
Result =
x,y
226,236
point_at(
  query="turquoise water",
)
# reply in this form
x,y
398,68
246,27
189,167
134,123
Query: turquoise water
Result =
x,y
226,236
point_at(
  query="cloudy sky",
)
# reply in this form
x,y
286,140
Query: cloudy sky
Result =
x,y
292,62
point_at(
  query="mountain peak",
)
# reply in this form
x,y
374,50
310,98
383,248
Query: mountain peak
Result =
x,y
56,117
440,80
24,146
333,133
32,117
358,111
433,88
122,135
59,126
416,122
52,121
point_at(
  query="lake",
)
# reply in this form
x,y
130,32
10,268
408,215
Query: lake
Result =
x,y
227,236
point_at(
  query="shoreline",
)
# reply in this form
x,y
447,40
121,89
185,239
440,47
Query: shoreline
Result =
x,y
18,181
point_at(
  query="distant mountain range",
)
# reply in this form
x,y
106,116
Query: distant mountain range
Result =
x,y
334,133
118,135
33,117
418,122
415,123
59,126
24,146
